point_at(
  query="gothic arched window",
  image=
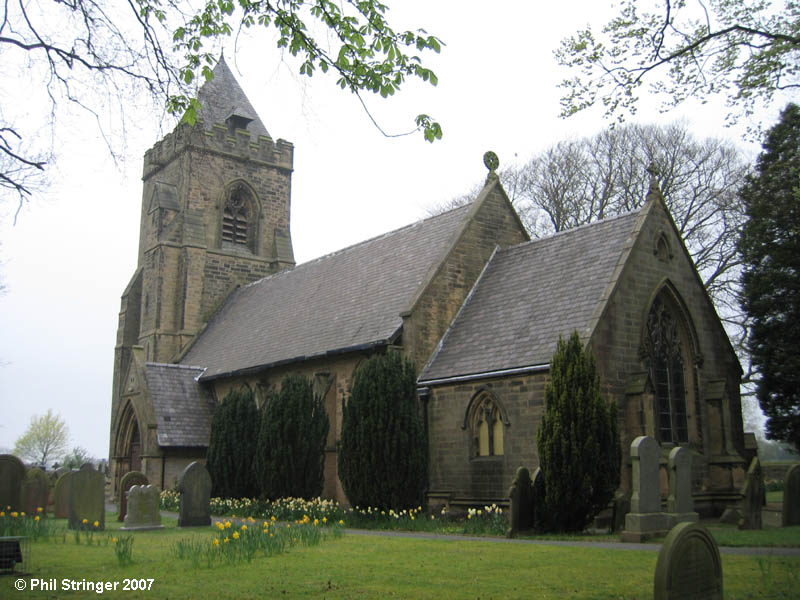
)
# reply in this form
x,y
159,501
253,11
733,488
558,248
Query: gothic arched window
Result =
x,y
668,373
486,427
237,218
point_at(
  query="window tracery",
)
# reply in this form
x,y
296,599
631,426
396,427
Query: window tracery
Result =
x,y
487,428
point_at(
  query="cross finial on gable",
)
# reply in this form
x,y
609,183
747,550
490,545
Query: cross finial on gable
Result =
x,y
491,162
654,189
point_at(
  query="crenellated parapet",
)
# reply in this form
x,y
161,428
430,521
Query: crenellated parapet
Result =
x,y
241,145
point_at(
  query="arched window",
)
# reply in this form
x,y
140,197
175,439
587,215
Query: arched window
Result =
x,y
238,217
666,355
486,426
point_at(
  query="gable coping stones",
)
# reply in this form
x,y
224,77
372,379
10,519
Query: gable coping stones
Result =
x,y
194,486
128,480
688,566
143,502
791,497
12,472
645,519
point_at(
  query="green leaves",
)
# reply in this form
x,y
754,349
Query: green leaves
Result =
x,y
367,54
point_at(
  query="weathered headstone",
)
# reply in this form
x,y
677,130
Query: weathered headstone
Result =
x,y
12,471
87,466
680,504
143,508
645,519
61,495
753,497
791,497
128,480
87,499
689,566
537,484
520,497
35,492
194,486
622,506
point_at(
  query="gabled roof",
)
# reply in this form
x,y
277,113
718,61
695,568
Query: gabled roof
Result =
x,y
528,296
347,300
183,408
222,97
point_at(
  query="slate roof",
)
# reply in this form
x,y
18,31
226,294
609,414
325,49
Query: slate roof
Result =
x,y
344,301
222,96
183,408
530,294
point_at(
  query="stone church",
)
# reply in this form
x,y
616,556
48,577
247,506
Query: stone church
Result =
x,y
217,303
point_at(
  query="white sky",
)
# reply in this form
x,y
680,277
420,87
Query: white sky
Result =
x,y
73,250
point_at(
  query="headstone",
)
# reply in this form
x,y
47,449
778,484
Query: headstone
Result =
x,y
35,492
753,497
791,496
622,506
537,483
520,497
194,486
689,566
680,504
12,471
87,466
645,519
143,508
87,499
61,495
128,480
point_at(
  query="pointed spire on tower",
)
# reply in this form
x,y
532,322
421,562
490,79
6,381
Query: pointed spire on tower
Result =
x,y
222,100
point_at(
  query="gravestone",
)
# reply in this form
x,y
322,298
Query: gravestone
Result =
x,y
680,504
622,506
537,484
61,495
689,566
87,499
753,494
12,472
791,497
143,508
194,486
35,492
520,497
128,480
645,519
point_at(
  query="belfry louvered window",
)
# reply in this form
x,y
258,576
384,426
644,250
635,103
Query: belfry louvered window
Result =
x,y
236,217
667,370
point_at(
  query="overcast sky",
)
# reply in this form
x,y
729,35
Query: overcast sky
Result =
x,y
73,250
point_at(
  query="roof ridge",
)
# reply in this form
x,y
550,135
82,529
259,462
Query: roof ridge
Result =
x,y
173,365
351,247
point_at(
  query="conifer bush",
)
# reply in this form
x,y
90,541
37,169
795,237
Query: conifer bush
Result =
x,y
578,442
290,458
229,459
383,455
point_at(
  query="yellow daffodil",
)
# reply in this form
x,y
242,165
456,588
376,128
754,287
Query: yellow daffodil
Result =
x,y
114,540
22,514
215,542
324,519
272,518
96,523
220,526
244,527
341,522
227,524
288,525
316,522
236,535
2,513
36,518
226,540
39,509
85,521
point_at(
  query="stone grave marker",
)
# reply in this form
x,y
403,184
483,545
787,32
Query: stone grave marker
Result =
x,y
12,472
143,508
791,497
520,497
689,565
35,492
128,480
537,484
87,499
61,494
194,486
754,495
645,519
680,504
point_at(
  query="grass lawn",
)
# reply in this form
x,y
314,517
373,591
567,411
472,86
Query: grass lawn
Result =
x,y
357,566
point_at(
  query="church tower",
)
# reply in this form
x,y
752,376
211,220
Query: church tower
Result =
x,y
215,215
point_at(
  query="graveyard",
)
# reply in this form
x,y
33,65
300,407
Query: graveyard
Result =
x,y
171,545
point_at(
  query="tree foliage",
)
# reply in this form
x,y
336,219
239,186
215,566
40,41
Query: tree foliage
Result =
x,y
290,456
77,458
770,249
44,441
745,50
89,53
234,429
383,455
577,440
